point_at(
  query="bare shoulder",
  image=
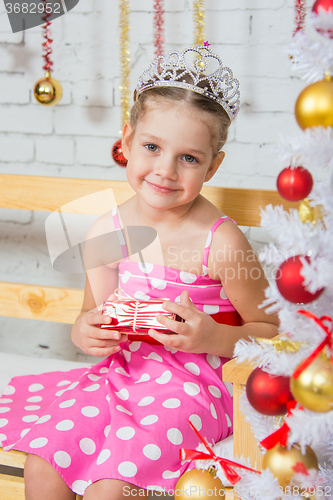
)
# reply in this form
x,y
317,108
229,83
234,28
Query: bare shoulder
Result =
x,y
102,225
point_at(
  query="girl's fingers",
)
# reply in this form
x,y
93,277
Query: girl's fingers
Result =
x,y
102,351
171,324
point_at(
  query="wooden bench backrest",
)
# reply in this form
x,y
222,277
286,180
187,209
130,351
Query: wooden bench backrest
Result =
x,y
49,194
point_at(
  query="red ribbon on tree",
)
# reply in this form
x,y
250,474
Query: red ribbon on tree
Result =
x,y
230,474
327,342
300,15
47,44
281,435
158,25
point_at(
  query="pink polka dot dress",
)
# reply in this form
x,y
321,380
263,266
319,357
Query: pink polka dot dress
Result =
x,y
126,417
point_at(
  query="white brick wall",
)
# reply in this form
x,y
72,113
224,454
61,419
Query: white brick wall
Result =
x,y
75,137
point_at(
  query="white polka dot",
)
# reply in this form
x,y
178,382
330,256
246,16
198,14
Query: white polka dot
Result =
x,y
4,409
146,401
88,446
30,418
72,386
204,269
62,459
105,369
65,425
121,371
149,419
155,356
213,411
67,404
134,346
125,433
196,421
90,411
3,437
122,394
92,388
35,387
103,456
107,430
32,408
38,442
127,469
60,393
171,403
24,432
125,277
175,436
191,389
152,451
145,268
154,487
3,422
5,401
93,377
168,474
43,419
213,360
215,391
124,410
80,486
63,382
164,378
210,309
144,378
187,277
34,399
178,300
193,368
141,296
229,387
127,355
170,349
209,239
228,420
223,295
159,284
9,390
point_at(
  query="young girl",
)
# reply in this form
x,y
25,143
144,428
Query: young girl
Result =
x,y
115,429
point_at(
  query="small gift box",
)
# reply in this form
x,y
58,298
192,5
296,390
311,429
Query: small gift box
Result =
x,y
136,316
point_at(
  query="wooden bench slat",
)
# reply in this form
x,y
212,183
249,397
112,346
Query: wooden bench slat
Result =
x,y
237,373
13,458
11,487
45,303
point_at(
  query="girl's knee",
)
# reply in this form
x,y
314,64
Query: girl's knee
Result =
x,y
114,489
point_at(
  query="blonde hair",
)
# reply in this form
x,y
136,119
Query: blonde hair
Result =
x,y
218,121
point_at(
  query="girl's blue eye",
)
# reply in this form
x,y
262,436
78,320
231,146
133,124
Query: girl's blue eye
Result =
x,y
151,147
189,159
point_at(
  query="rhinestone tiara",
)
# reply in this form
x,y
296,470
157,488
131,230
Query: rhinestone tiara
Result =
x,y
219,85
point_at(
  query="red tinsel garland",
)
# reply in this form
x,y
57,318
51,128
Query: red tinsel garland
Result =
x,y
300,13
158,27
46,34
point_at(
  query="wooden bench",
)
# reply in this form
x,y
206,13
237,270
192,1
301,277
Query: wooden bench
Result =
x,y
59,304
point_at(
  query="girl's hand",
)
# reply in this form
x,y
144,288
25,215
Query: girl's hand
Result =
x,y
195,335
93,340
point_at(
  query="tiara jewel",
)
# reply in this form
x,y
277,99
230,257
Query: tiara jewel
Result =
x,y
197,69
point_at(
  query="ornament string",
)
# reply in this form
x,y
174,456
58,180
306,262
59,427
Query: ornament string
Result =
x,y
230,473
158,27
199,22
281,435
300,14
48,41
124,43
328,341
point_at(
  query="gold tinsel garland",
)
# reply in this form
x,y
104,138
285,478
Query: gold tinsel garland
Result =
x,y
124,42
199,22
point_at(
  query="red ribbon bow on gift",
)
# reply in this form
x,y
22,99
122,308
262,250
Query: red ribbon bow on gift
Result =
x,y
281,435
230,474
327,342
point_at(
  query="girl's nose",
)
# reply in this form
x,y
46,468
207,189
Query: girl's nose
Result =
x,y
167,168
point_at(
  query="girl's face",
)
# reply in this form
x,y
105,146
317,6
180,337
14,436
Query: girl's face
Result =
x,y
169,154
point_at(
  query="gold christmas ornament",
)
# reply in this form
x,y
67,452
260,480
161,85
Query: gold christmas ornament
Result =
x,y
309,214
281,461
314,105
199,484
47,90
313,389
281,343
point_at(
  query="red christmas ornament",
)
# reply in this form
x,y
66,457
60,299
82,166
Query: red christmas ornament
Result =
x,y
268,394
294,184
117,154
290,282
326,6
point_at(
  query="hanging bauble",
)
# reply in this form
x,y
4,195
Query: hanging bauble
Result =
x,y
281,461
290,281
294,184
313,388
199,484
47,90
117,154
309,214
325,6
268,394
314,105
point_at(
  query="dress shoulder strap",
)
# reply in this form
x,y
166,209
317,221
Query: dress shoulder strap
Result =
x,y
120,233
209,242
